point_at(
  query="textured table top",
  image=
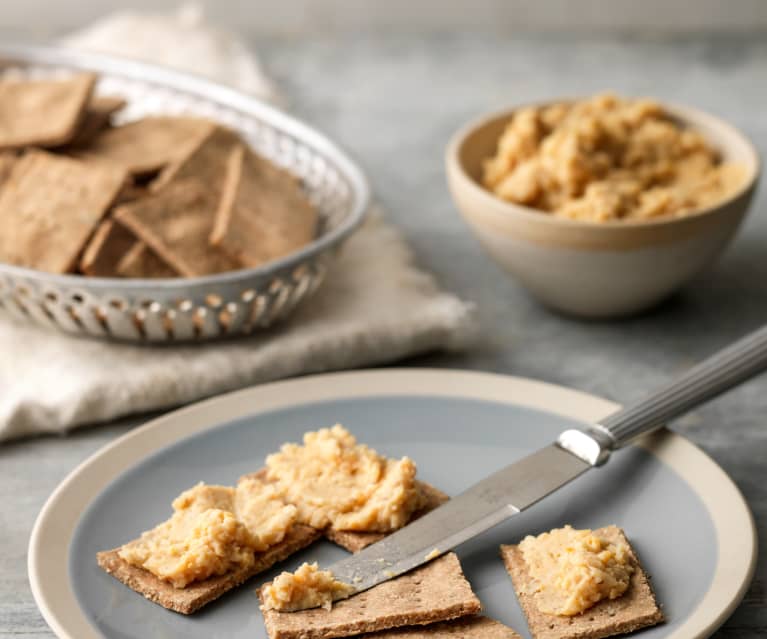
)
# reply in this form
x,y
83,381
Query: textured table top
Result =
x,y
394,102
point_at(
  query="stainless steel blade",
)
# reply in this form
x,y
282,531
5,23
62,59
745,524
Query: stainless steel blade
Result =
x,y
484,505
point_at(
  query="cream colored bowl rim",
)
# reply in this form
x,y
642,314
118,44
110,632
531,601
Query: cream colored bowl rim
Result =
x,y
48,552
681,112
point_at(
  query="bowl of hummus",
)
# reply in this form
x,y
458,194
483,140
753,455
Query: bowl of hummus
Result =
x,y
602,206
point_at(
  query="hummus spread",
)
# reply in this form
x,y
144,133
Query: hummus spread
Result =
x,y
335,482
213,530
308,587
574,569
607,158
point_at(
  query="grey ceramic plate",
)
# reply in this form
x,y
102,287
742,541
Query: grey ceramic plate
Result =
x,y
673,501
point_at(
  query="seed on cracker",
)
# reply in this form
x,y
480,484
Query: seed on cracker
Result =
x,y
49,207
145,146
97,116
467,628
356,541
196,595
176,224
44,113
142,262
633,610
263,214
109,244
435,592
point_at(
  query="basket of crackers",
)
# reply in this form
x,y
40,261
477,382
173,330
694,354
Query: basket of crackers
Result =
x,y
144,205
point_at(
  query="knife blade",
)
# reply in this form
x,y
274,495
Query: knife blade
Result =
x,y
486,504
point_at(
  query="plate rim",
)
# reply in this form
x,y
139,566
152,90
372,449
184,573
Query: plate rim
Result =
x,y
49,544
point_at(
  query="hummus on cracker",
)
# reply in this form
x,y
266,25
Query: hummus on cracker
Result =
x,y
336,482
607,158
307,587
574,569
213,530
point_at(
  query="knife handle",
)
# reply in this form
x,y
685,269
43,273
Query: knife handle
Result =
x,y
713,376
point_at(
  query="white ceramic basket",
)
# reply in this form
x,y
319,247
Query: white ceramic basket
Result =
x,y
203,308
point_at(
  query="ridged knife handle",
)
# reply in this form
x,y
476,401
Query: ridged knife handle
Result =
x,y
729,367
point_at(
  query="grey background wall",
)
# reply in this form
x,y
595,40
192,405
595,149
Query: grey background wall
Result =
x,y
30,17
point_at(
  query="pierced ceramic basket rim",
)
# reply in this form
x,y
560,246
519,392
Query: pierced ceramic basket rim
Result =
x,y
198,85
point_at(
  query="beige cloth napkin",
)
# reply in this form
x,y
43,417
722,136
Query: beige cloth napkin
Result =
x,y
375,306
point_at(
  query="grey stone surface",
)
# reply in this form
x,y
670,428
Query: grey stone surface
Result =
x,y
394,102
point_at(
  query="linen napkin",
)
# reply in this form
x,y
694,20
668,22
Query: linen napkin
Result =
x,y
52,383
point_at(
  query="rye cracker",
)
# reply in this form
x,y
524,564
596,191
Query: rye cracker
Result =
x,y
97,117
43,113
467,628
437,591
145,146
263,213
203,161
196,595
176,224
109,244
142,262
49,207
356,541
635,609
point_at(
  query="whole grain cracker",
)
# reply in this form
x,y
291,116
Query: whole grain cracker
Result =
x,y
356,541
147,145
43,113
263,214
109,244
190,599
635,609
176,224
477,627
437,591
142,262
97,116
203,161
49,207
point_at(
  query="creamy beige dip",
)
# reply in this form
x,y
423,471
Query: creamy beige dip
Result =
x,y
308,587
574,569
336,482
213,530
607,158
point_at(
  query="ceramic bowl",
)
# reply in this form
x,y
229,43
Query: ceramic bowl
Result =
x,y
597,270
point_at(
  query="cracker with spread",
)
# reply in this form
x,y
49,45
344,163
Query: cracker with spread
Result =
x,y
435,592
581,584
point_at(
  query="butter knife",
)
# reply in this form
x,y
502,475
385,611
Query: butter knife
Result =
x,y
520,485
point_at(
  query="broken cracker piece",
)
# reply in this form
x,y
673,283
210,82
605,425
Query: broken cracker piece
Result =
x,y
263,214
142,262
176,223
145,146
49,206
467,628
435,592
356,541
97,116
109,244
196,595
44,113
633,610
